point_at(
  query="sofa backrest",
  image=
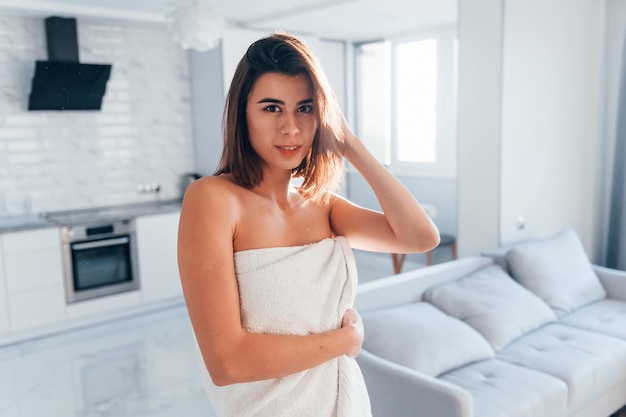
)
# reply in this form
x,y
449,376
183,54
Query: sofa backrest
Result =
x,y
408,287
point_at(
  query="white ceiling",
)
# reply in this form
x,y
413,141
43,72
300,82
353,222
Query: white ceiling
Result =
x,y
332,19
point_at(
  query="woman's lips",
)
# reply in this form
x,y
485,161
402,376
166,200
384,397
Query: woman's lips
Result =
x,y
289,150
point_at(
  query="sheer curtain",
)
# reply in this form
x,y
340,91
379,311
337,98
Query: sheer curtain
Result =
x,y
616,245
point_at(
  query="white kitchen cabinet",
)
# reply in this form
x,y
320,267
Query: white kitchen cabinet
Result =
x,y
34,278
156,249
37,308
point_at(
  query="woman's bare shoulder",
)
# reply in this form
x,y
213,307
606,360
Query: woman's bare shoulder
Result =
x,y
217,194
224,181
214,186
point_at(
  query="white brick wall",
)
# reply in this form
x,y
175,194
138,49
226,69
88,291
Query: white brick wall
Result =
x,y
56,160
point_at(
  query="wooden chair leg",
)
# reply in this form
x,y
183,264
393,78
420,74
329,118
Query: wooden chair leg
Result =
x,y
398,261
453,249
429,258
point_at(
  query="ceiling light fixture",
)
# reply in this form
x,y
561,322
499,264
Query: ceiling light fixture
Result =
x,y
197,24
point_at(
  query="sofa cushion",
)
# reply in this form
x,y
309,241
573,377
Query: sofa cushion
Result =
x,y
590,363
557,270
500,388
421,337
494,304
604,316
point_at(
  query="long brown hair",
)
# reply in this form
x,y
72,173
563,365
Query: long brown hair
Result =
x,y
282,53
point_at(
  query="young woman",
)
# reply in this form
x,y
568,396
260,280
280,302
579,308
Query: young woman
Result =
x,y
266,265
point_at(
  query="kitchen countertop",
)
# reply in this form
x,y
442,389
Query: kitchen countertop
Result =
x,y
95,215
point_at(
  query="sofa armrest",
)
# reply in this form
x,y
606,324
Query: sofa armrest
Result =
x,y
397,391
613,281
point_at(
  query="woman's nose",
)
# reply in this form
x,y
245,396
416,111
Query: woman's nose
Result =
x,y
290,125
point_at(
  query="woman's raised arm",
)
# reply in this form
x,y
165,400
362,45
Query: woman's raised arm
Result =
x,y
402,227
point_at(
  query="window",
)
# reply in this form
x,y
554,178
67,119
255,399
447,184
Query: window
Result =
x,y
405,103
416,101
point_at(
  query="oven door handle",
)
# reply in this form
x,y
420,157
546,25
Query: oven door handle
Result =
x,y
100,243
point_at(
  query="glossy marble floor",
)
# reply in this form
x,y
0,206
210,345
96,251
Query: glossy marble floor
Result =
x,y
141,366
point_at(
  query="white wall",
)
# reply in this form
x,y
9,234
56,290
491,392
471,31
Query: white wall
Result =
x,y
551,116
479,101
235,42
540,163
208,106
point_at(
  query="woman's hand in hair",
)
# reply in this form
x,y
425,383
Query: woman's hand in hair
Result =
x,y
348,139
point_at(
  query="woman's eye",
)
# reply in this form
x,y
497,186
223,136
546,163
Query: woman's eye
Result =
x,y
272,108
307,108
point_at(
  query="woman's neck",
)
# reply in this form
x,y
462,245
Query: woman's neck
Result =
x,y
276,187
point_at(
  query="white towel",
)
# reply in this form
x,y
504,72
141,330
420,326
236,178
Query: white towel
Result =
x,y
296,290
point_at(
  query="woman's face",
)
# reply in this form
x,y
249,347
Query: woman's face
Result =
x,y
281,119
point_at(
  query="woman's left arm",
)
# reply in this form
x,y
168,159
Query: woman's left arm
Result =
x,y
402,227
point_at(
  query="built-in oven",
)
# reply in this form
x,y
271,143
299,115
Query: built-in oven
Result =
x,y
99,259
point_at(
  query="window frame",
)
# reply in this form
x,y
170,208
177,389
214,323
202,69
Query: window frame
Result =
x,y
446,143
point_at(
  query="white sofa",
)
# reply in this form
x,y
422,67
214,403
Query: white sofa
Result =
x,y
534,330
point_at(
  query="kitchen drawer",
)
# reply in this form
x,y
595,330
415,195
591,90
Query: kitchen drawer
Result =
x,y
31,240
33,270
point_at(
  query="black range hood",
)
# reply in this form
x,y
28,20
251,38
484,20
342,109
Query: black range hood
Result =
x,y
62,82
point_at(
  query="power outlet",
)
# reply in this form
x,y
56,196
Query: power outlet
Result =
x,y
148,187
